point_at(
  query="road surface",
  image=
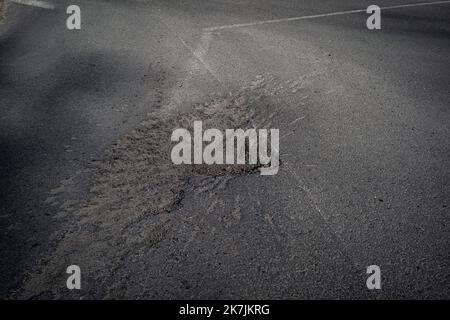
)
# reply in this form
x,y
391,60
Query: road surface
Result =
x,y
85,172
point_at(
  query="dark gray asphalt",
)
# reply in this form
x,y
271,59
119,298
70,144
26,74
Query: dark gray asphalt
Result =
x,y
365,150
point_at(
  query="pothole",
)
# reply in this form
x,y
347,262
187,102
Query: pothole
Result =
x,y
136,182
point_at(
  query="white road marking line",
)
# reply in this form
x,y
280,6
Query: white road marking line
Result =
x,y
199,53
195,64
250,24
286,135
298,119
314,202
315,205
35,3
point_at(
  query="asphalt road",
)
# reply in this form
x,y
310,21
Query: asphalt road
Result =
x,y
85,122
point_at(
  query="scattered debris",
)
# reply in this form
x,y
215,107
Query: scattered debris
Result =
x,y
134,184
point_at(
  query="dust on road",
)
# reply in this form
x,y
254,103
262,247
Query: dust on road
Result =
x,y
3,10
133,185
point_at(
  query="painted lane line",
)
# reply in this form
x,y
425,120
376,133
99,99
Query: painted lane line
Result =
x,y
256,23
35,3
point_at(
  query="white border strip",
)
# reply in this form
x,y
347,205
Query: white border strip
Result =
x,y
249,24
35,3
